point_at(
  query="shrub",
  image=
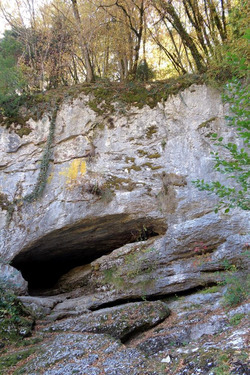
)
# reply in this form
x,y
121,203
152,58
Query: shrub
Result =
x,y
235,165
237,290
15,322
236,319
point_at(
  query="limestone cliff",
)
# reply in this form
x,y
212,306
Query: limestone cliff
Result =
x,y
136,183
119,218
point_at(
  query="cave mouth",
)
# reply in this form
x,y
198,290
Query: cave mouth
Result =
x,y
51,256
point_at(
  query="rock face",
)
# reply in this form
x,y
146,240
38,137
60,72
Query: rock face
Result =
x,y
135,185
120,222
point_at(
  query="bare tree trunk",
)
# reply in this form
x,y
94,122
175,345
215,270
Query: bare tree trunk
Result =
x,y
137,31
195,17
224,17
139,38
105,58
174,19
216,19
74,73
175,61
84,47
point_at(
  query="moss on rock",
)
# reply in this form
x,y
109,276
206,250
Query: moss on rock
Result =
x,y
11,360
156,155
102,95
15,321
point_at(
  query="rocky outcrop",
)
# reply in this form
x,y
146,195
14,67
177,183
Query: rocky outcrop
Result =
x,y
136,185
120,222
153,268
81,353
199,337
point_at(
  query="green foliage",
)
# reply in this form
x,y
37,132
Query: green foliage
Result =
x,y
223,367
12,82
10,360
8,306
231,58
10,105
236,319
239,21
237,289
235,161
11,78
144,73
212,289
14,320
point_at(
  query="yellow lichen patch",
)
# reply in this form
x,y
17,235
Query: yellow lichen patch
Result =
x,y
83,167
77,168
50,177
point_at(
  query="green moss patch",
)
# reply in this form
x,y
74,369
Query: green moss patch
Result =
x,y
18,109
118,183
150,131
156,155
4,201
134,167
11,360
15,322
142,153
206,123
236,319
129,159
151,166
212,289
135,264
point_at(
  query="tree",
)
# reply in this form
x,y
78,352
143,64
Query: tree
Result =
x,y
66,42
167,11
11,78
83,43
128,19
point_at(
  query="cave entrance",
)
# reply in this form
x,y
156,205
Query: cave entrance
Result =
x,y
57,252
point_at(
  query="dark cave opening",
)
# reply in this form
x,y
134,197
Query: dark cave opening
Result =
x,y
48,258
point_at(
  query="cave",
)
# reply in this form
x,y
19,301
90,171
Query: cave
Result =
x,y
51,256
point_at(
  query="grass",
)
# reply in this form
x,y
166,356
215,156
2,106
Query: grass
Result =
x,y
212,289
236,319
237,290
11,360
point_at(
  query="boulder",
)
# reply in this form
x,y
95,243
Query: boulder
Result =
x,y
119,321
11,278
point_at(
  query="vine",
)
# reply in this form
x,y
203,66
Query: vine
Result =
x,y
43,173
